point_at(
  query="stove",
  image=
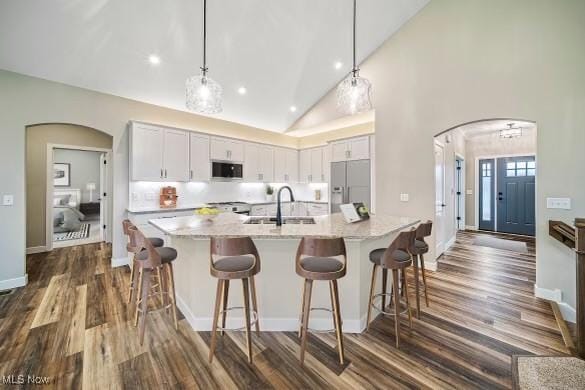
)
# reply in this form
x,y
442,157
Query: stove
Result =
x,y
234,207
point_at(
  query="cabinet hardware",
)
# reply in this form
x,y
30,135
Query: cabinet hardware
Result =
x,y
166,173
323,178
191,174
161,173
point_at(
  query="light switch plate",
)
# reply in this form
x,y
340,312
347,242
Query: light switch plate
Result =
x,y
404,197
469,192
8,200
558,203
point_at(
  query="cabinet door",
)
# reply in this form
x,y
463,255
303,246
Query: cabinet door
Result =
x,y
326,163
305,166
292,166
251,172
265,161
235,150
280,165
146,152
200,168
176,155
339,151
359,148
219,149
317,165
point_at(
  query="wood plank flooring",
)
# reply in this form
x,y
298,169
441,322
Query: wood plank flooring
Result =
x,y
71,323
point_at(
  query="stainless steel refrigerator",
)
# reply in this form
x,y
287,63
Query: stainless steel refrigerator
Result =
x,y
350,183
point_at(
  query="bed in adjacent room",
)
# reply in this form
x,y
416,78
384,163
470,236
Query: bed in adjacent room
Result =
x,y
67,219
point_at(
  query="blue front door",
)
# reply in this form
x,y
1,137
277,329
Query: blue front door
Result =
x,y
516,195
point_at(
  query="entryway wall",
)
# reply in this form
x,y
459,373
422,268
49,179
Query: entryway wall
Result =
x,y
486,146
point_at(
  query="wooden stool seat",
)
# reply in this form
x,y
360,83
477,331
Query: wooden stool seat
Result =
x,y
317,260
237,258
167,254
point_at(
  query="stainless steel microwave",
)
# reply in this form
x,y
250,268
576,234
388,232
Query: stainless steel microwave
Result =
x,y
221,170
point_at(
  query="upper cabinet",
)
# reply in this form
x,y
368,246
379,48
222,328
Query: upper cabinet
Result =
x,y
351,149
200,166
312,165
286,165
224,149
158,154
258,163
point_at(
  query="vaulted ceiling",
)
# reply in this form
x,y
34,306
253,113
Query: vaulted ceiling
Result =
x,y
282,51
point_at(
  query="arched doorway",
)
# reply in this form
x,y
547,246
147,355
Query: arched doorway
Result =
x,y
68,180
485,178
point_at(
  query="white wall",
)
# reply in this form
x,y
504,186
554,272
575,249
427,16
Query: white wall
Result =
x,y
461,61
85,168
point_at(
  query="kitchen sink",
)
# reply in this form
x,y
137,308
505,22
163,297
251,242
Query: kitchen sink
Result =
x,y
285,221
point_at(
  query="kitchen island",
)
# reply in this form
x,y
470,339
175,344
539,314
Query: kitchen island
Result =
x,y
278,286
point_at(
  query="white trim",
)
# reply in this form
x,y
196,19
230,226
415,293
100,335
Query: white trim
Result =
x,y
13,283
449,243
568,312
119,262
204,324
469,227
36,249
548,294
431,265
105,187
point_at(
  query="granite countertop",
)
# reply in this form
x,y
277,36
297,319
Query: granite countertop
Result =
x,y
157,209
231,225
258,203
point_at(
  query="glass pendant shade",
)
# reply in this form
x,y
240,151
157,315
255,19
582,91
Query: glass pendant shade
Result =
x,y
353,95
203,95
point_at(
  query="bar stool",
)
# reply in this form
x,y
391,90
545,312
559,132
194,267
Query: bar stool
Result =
x,y
420,248
149,260
155,241
237,259
396,258
320,263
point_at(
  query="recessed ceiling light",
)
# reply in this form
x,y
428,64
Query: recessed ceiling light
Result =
x,y
338,65
242,90
154,59
293,108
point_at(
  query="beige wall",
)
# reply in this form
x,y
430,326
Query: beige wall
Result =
x,y
486,146
462,61
37,138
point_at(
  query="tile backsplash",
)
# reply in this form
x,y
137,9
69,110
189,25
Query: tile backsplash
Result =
x,y
145,194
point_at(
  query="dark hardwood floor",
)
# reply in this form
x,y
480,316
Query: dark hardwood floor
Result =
x,y
71,323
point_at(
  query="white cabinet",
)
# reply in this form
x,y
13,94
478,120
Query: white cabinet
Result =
x,y
286,165
225,149
158,154
146,152
176,155
258,163
312,166
315,209
199,164
350,149
317,175
305,166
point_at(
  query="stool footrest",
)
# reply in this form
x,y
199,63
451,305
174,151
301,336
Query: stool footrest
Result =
x,y
253,313
321,330
381,310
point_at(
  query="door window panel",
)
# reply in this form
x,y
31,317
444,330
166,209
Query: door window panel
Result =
x,y
486,211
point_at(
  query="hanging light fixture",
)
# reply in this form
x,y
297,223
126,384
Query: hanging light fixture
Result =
x,y
203,93
511,131
353,93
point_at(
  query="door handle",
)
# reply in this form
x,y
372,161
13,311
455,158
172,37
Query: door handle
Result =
x,y
500,196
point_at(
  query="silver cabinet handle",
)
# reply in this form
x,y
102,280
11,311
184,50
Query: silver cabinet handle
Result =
x,y
323,178
191,174
165,173
161,173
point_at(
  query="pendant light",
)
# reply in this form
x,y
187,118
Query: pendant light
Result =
x,y
203,93
353,93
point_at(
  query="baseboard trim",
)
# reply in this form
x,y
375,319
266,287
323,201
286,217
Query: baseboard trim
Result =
x,y
13,283
467,227
36,249
119,262
431,265
450,243
569,313
204,324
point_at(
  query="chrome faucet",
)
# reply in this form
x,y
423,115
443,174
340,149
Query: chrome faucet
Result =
x,y
278,211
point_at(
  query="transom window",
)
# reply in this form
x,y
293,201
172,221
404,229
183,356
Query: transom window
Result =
x,y
521,168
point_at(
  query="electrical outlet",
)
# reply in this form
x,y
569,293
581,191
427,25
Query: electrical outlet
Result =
x,y
8,200
558,203
404,197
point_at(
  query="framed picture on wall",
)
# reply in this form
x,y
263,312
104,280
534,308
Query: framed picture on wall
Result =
x,y
62,174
